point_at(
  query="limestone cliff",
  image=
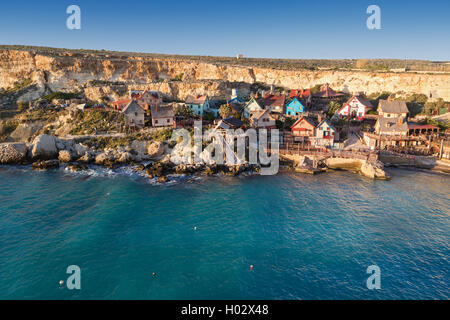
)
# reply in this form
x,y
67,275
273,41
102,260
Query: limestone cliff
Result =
x,y
69,71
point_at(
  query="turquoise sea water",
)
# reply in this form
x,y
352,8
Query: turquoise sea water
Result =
x,y
308,237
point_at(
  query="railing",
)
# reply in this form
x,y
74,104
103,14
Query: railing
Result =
x,y
359,154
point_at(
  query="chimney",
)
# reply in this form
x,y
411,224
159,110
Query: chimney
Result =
x,y
319,118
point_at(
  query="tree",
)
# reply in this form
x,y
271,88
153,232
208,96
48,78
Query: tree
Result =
x,y
225,111
333,108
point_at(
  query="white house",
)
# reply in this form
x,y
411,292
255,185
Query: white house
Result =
x,y
262,120
250,107
357,107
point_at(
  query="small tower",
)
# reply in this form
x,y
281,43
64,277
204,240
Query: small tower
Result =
x,y
234,93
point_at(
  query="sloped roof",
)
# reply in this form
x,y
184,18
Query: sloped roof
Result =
x,y
327,122
121,103
274,100
391,125
299,93
253,100
196,99
233,122
162,112
417,126
393,106
309,121
134,104
258,114
361,99
295,99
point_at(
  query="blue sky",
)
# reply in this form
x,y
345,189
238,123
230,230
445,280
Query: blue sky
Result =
x,y
413,29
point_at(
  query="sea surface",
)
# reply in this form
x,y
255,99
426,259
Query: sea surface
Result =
x,y
307,237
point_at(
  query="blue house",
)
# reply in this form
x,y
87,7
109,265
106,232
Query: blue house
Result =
x,y
198,104
294,107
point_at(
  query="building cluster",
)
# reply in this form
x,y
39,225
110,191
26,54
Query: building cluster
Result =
x,y
389,123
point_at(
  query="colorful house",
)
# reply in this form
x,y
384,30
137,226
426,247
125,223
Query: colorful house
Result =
x,y
263,120
294,107
325,134
303,127
357,107
251,107
198,104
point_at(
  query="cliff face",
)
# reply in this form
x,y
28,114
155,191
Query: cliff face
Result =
x,y
69,72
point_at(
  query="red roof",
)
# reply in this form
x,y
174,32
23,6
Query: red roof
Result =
x,y
120,104
299,93
294,126
273,100
416,126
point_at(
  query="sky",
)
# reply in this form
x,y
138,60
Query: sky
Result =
x,y
316,29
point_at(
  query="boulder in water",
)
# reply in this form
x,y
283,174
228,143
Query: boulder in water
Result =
x,y
44,148
13,153
45,164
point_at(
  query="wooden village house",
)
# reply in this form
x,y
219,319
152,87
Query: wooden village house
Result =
x,y
357,107
303,130
262,120
162,116
134,115
325,134
198,104
251,107
275,102
294,107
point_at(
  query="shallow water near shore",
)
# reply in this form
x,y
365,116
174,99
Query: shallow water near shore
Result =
x,y
308,237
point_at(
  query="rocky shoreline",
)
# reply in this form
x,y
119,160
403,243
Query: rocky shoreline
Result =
x,y
150,158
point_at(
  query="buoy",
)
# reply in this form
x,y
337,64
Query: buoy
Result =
x,y
195,228
154,274
251,267
61,282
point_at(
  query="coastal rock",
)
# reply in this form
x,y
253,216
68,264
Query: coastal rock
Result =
x,y
76,167
87,157
211,170
80,149
124,157
64,156
162,179
102,158
140,149
155,149
13,153
374,171
44,148
45,164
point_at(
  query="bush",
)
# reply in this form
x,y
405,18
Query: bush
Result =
x,y
61,95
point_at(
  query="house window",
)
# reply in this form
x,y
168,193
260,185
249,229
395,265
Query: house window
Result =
x,y
168,120
156,121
